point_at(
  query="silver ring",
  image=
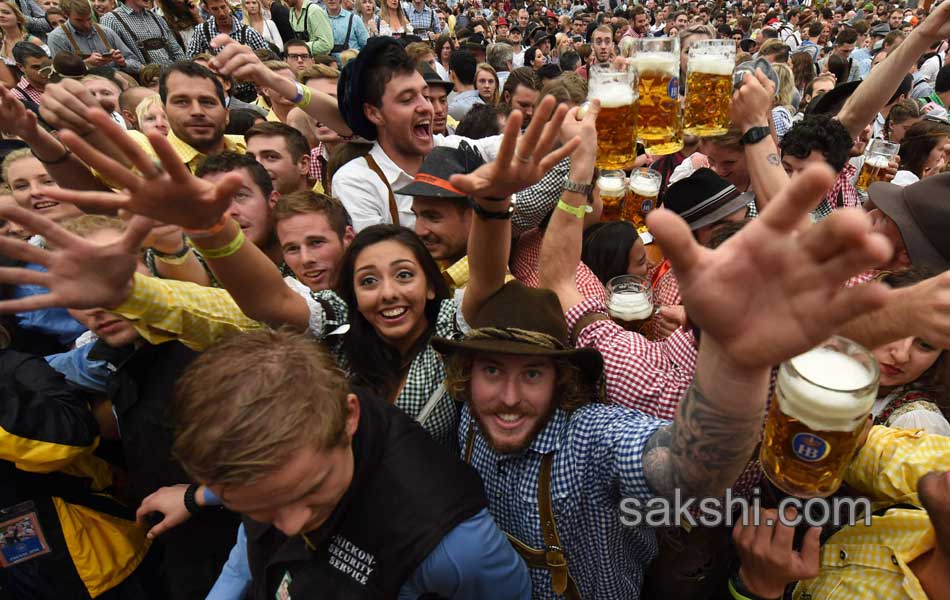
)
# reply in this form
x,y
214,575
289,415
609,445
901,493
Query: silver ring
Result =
x,y
522,159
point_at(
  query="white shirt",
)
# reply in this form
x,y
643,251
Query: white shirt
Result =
x,y
364,195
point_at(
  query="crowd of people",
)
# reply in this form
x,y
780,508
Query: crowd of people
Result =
x,y
308,299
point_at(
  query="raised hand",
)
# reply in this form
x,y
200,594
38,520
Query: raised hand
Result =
x,y
768,561
15,119
239,61
769,293
168,193
522,159
67,104
752,103
80,274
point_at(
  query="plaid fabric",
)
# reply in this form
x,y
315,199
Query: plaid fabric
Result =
x,y
164,310
527,257
841,195
188,155
426,372
423,20
598,463
873,562
536,202
316,167
25,91
239,32
144,25
648,376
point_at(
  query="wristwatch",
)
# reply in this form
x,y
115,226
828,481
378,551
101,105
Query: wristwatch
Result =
x,y
754,135
190,503
488,215
578,188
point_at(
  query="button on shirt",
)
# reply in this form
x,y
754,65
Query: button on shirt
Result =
x,y
599,462
89,42
366,196
144,25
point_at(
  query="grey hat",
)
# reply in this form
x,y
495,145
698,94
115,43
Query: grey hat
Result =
x,y
880,30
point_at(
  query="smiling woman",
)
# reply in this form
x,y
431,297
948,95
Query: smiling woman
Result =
x,y
26,176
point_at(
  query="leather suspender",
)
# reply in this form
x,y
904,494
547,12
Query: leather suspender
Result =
x,y
72,39
552,557
374,166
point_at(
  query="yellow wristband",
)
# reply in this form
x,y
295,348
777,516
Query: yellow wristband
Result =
x,y
307,97
169,259
224,251
577,211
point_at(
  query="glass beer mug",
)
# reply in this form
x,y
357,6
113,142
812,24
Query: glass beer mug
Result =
x,y
709,87
630,303
659,118
611,185
818,412
879,154
642,192
615,87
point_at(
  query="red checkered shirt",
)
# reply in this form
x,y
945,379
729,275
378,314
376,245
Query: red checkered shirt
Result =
x,y
25,91
841,195
316,165
648,376
527,256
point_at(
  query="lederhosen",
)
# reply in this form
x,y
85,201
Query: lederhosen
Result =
x,y
552,557
337,48
75,45
156,43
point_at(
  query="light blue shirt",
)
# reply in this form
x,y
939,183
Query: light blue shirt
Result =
x,y
358,34
860,64
472,562
52,321
77,368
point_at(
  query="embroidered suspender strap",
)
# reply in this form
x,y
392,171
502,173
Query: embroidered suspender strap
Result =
x,y
904,400
393,210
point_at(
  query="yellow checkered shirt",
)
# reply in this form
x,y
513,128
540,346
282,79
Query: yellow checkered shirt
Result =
x,y
872,562
189,156
163,310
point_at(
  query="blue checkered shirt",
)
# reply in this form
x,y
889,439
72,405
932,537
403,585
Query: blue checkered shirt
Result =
x,y
598,463
423,20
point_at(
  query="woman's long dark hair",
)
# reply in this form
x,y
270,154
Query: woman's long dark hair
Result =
x,y
374,362
918,142
607,248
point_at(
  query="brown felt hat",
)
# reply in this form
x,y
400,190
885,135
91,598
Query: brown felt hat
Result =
x,y
507,320
922,214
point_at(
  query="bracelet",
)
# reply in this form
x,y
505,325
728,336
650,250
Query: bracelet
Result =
x,y
227,250
299,95
171,259
578,211
307,97
197,234
190,505
56,161
486,214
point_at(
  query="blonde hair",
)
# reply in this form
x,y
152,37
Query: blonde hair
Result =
x,y
626,47
11,158
245,18
235,425
490,69
146,104
347,55
384,13
86,225
786,85
20,17
317,72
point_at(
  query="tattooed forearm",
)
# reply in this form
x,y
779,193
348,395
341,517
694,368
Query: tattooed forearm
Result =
x,y
774,159
703,450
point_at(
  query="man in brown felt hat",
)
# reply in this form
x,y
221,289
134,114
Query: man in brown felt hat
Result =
x,y
557,462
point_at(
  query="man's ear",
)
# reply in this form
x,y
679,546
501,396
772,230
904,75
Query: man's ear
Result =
x,y
374,114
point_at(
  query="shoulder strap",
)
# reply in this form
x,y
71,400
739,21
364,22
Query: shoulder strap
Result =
x,y
393,210
206,29
72,40
430,404
561,581
102,36
135,40
349,28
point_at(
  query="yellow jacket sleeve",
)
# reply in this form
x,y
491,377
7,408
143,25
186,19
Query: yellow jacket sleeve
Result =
x,y
163,310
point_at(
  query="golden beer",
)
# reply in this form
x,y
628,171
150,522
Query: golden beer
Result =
x,y
642,192
659,116
709,87
617,121
873,170
630,303
818,412
611,185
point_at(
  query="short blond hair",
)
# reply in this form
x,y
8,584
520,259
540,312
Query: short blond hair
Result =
x,y
347,55
243,406
86,225
146,104
11,158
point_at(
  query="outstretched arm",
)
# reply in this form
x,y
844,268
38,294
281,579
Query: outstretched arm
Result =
x,y
521,162
883,80
240,62
786,295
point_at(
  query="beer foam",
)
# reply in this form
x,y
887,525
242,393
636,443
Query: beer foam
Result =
x,y
644,186
630,306
656,61
836,394
877,161
614,95
611,186
713,65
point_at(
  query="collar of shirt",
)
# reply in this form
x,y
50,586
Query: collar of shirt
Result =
x,y
457,273
395,176
343,14
416,11
191,157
